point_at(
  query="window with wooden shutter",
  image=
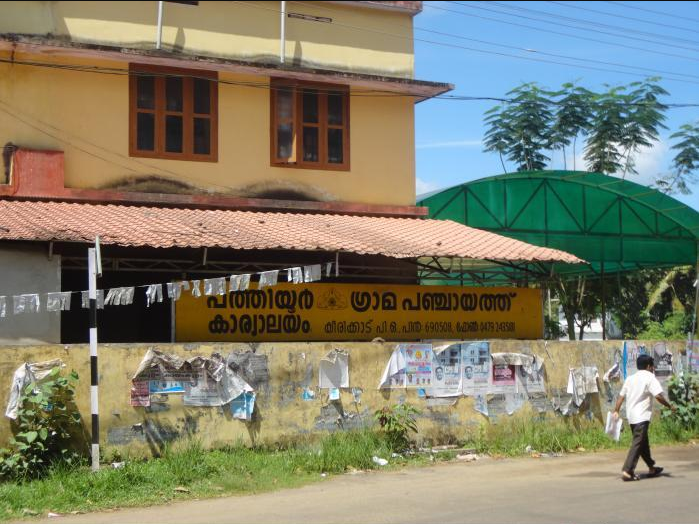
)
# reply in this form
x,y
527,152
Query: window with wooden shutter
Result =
x,y
309,126
173,113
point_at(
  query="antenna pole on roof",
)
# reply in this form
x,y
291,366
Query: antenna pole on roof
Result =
x,y
159,34
282,39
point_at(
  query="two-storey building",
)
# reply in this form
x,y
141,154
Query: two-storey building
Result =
x,y
210,138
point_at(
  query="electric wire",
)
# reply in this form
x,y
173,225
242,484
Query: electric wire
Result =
x,y
616,15
592,30
592,23
269,87
653,11
476,50
568,35
527,50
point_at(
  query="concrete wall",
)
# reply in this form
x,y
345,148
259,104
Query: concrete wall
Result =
x,y
28,270
236,30
86,115
280,412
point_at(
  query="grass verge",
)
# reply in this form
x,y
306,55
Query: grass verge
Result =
x,y
195,473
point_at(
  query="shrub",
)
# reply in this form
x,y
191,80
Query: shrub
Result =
x,y
46,421
683,392
397,422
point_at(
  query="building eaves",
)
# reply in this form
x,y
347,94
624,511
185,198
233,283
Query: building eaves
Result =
x,y
43,45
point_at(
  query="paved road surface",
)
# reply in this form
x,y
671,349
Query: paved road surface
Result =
x,y
579,488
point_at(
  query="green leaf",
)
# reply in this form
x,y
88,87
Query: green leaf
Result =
x,y
43,433
31,436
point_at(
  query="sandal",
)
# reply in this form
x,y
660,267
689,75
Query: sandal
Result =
x,y
627,477
655,472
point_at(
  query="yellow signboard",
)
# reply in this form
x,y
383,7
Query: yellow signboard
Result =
x,y
309,312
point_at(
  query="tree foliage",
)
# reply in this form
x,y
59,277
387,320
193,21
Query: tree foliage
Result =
x,y
617,123
685,165
521,129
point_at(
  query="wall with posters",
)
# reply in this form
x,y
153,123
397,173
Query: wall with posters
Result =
x,y
287,400
288,312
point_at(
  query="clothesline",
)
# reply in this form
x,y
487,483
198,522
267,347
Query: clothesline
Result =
x,y
123,296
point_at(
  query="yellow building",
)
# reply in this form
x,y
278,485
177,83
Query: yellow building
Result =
x,y
236,99
210,139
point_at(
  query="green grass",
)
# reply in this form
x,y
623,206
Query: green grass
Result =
x,y
564,435
234,470
239,470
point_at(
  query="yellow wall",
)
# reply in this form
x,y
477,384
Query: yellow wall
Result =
x,y
281,413
86,115
239,30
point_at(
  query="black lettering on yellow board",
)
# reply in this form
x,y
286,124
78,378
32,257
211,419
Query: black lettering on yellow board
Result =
x,y
308,312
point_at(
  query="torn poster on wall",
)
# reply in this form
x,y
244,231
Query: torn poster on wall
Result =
x,y
201,391
582,381
503,378
204,381
243,406
253,368
475,361
663,360
418,364
530,379
25,375
334,370
446,371
156,387
140,393
394,373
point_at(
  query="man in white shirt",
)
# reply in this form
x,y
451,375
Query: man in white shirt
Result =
x,y
638,391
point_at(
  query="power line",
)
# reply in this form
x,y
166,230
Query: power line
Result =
x,y
266,86
558,24
571,6
476,50
544,53
653,11
656,71
597,24
568,35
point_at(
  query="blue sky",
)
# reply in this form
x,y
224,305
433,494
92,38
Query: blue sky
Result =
x,y
449,133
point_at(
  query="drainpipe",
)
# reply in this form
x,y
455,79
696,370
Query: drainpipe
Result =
x,y
159,36
282,40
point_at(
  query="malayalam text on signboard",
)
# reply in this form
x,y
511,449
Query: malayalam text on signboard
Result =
x,y
308,312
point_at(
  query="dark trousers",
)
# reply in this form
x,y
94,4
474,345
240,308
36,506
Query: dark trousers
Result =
x,y
640,447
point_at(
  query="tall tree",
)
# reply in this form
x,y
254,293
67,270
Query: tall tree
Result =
x,y
572,118
606,131
645,115
521,131
685,165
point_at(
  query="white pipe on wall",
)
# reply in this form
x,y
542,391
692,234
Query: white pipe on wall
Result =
x,y
282,42
159,36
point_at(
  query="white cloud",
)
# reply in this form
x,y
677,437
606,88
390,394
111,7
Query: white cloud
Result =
x,y
449,143
650,162
422,186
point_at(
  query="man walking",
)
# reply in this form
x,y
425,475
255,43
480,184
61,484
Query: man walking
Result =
x,y
638,391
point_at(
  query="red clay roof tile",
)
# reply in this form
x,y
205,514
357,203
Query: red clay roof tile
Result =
x,y
194,228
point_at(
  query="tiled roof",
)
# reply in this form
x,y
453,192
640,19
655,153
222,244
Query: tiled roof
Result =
x,y
194,228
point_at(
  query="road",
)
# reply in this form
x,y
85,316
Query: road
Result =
x,y
578,488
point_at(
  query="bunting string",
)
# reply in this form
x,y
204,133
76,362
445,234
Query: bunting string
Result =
x,y
124,296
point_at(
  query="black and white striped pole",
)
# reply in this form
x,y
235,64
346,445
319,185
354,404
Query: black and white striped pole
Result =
x,y
92,266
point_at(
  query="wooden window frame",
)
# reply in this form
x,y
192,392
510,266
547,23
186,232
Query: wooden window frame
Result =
x,y
323,126
160,112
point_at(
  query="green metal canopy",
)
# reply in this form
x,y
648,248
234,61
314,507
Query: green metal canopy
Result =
x,y
614,224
